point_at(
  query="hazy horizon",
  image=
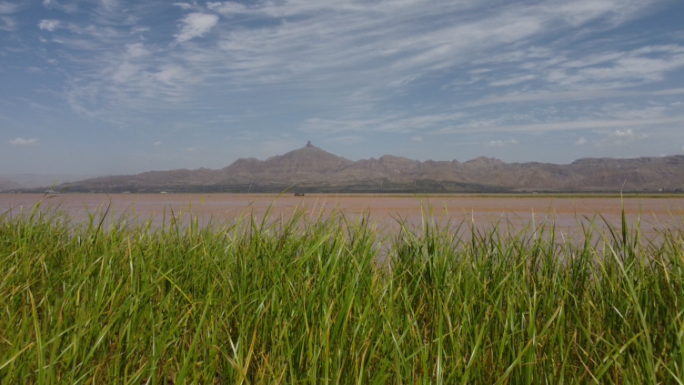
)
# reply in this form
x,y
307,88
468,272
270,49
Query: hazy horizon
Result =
x,y
104,87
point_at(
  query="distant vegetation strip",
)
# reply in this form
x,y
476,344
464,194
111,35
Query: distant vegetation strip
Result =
x,y
523,195
333,300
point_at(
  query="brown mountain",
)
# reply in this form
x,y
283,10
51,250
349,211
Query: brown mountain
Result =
x,y
313,169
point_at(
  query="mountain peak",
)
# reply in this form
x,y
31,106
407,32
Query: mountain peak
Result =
x,y
484,160
308,144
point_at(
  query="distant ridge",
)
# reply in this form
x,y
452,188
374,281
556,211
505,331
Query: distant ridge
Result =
x,y
6,184
311,169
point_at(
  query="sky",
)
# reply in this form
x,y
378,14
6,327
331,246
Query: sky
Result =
x,y
104,87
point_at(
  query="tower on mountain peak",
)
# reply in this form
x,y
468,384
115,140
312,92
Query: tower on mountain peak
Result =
x,y
308,144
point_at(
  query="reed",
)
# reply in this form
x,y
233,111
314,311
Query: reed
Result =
x,y
307,301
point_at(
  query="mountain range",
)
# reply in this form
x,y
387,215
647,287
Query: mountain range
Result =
x,y
311,169
8,184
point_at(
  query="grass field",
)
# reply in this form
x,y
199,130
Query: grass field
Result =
x,y
309,301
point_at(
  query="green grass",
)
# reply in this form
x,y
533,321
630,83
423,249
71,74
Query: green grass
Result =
x,y
307,301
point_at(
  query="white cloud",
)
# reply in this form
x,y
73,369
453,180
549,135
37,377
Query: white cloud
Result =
x,y
49,24
228,8
384,123
417,139
196,25
580,141
109,4
7,23
567,125
573,75
8,8
621,137
626,134
135,30
618,69
185,6
136,50
125,72
631,112
23,142
561,96
512,81
579,12
157,144
68,7
169,74
502,143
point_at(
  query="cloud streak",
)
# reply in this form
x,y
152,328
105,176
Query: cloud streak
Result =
x,y
502,143
7,8
49,24
23,142
196,25
620,138
576,125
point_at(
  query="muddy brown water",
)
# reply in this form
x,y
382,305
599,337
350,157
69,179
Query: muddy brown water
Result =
x,y
384,211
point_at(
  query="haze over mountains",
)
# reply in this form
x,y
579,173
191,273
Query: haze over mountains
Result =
x,y
7,184
29,181
311,169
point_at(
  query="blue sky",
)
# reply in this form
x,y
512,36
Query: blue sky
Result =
x,y
113,86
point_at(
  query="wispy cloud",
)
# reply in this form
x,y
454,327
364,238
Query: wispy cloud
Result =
x,y
7,8
23,142
568,125
185,6
7,23
196,25
62,6
228,8
400,123
627,134
49,24
621,137
560,96
619,69
502,143
580,141
512,81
